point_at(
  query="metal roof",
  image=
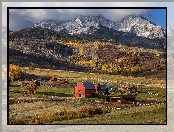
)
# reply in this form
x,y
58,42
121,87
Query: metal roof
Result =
x,y
118,97
88,85
103,86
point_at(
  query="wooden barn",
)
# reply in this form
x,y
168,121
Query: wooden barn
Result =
x,y
84,89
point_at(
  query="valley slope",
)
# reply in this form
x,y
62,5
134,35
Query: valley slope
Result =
x,y
105,51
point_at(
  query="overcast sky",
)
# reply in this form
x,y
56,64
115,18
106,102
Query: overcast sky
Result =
x,y
23,18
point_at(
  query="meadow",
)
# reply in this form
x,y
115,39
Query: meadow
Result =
x,y
53,105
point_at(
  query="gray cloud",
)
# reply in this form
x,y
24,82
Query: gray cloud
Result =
x,y
23,18
18,21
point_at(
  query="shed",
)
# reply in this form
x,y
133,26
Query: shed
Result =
x,y
119,99
128,97
102,87
84,89
116,99
131,89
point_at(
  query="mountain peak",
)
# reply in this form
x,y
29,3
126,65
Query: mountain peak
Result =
x,y
134,24
140,26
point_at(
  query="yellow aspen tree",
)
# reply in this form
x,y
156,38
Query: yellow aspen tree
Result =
x,y
15,72
81,51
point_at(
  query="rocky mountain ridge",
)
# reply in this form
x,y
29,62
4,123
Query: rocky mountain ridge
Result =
x,y
134,24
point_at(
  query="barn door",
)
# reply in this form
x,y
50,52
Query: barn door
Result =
x,y
79,93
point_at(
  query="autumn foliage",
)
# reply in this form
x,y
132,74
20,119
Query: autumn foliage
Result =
x,y
91,111
15,72
67,115
31,88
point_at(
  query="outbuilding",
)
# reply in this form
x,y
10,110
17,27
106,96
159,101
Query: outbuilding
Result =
x,y
131,89
102,87
128,89
122,99
116,99
84,89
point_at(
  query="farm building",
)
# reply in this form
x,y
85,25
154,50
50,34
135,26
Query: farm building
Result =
x,y
119,99
115,99
128,89
102,87
131,89
84,89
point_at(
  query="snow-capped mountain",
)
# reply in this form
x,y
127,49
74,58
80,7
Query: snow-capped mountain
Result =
x,y
79,25
83,23
140,26
134,24
50,24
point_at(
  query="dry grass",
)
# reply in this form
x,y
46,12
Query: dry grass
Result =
x,y
78,113
30,111
134,115
48,111
102,78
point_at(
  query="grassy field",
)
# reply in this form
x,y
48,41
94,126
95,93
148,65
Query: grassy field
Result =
x,y
133,115
102,78
67,112
67,91
53,105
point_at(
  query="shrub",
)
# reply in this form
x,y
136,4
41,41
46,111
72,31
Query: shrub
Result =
x,y
15,72
66,115
91,111
40,119
18,120
31,88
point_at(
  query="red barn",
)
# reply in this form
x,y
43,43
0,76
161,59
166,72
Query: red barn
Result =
x,y
84,89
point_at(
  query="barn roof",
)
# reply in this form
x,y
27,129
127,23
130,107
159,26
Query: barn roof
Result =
x,y
88,85
103,86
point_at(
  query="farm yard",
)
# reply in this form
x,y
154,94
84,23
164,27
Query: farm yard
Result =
x,y
53,102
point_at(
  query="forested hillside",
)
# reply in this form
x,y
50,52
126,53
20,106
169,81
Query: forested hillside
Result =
x,y
103,50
